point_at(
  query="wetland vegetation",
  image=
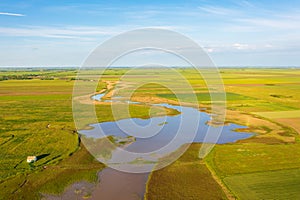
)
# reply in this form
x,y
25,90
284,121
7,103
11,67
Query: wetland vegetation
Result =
x,y
36,119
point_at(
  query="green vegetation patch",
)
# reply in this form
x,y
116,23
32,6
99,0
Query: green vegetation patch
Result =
x,y
51,179
187,178
27,107
283,184
280,114
235,159
206,96
37,120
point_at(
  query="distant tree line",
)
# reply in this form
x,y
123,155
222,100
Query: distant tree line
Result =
x,y
24,77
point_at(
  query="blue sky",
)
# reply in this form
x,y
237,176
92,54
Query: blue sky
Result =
x,y
233,32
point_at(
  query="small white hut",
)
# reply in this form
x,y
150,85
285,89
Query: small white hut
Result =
x,y
31,159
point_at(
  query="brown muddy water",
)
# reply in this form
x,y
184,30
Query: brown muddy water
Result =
x,y
112,185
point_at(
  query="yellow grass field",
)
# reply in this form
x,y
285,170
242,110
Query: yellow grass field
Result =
x,y
288,118
292,122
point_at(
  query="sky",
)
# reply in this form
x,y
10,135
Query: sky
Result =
x,y
232,32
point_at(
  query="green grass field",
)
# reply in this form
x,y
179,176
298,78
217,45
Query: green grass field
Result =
x,y
258,171
283,184
280,114
246,158
187,178
265,100
27,107
248,91
206,97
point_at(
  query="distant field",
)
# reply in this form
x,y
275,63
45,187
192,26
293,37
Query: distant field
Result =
x,y
280,114
283,184
206,97
274,89
248,90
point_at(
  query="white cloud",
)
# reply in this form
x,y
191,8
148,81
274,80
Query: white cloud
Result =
x,y
68,32
218,10
245,3
246,47
209,50
241,46
71,32
278,23
12,14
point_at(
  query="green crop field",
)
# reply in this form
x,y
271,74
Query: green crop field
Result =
x,y
283,184
246,158
187,178
258,171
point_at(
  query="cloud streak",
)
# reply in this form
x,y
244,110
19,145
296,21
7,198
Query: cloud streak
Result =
x,y
214,10
12,14
68,32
